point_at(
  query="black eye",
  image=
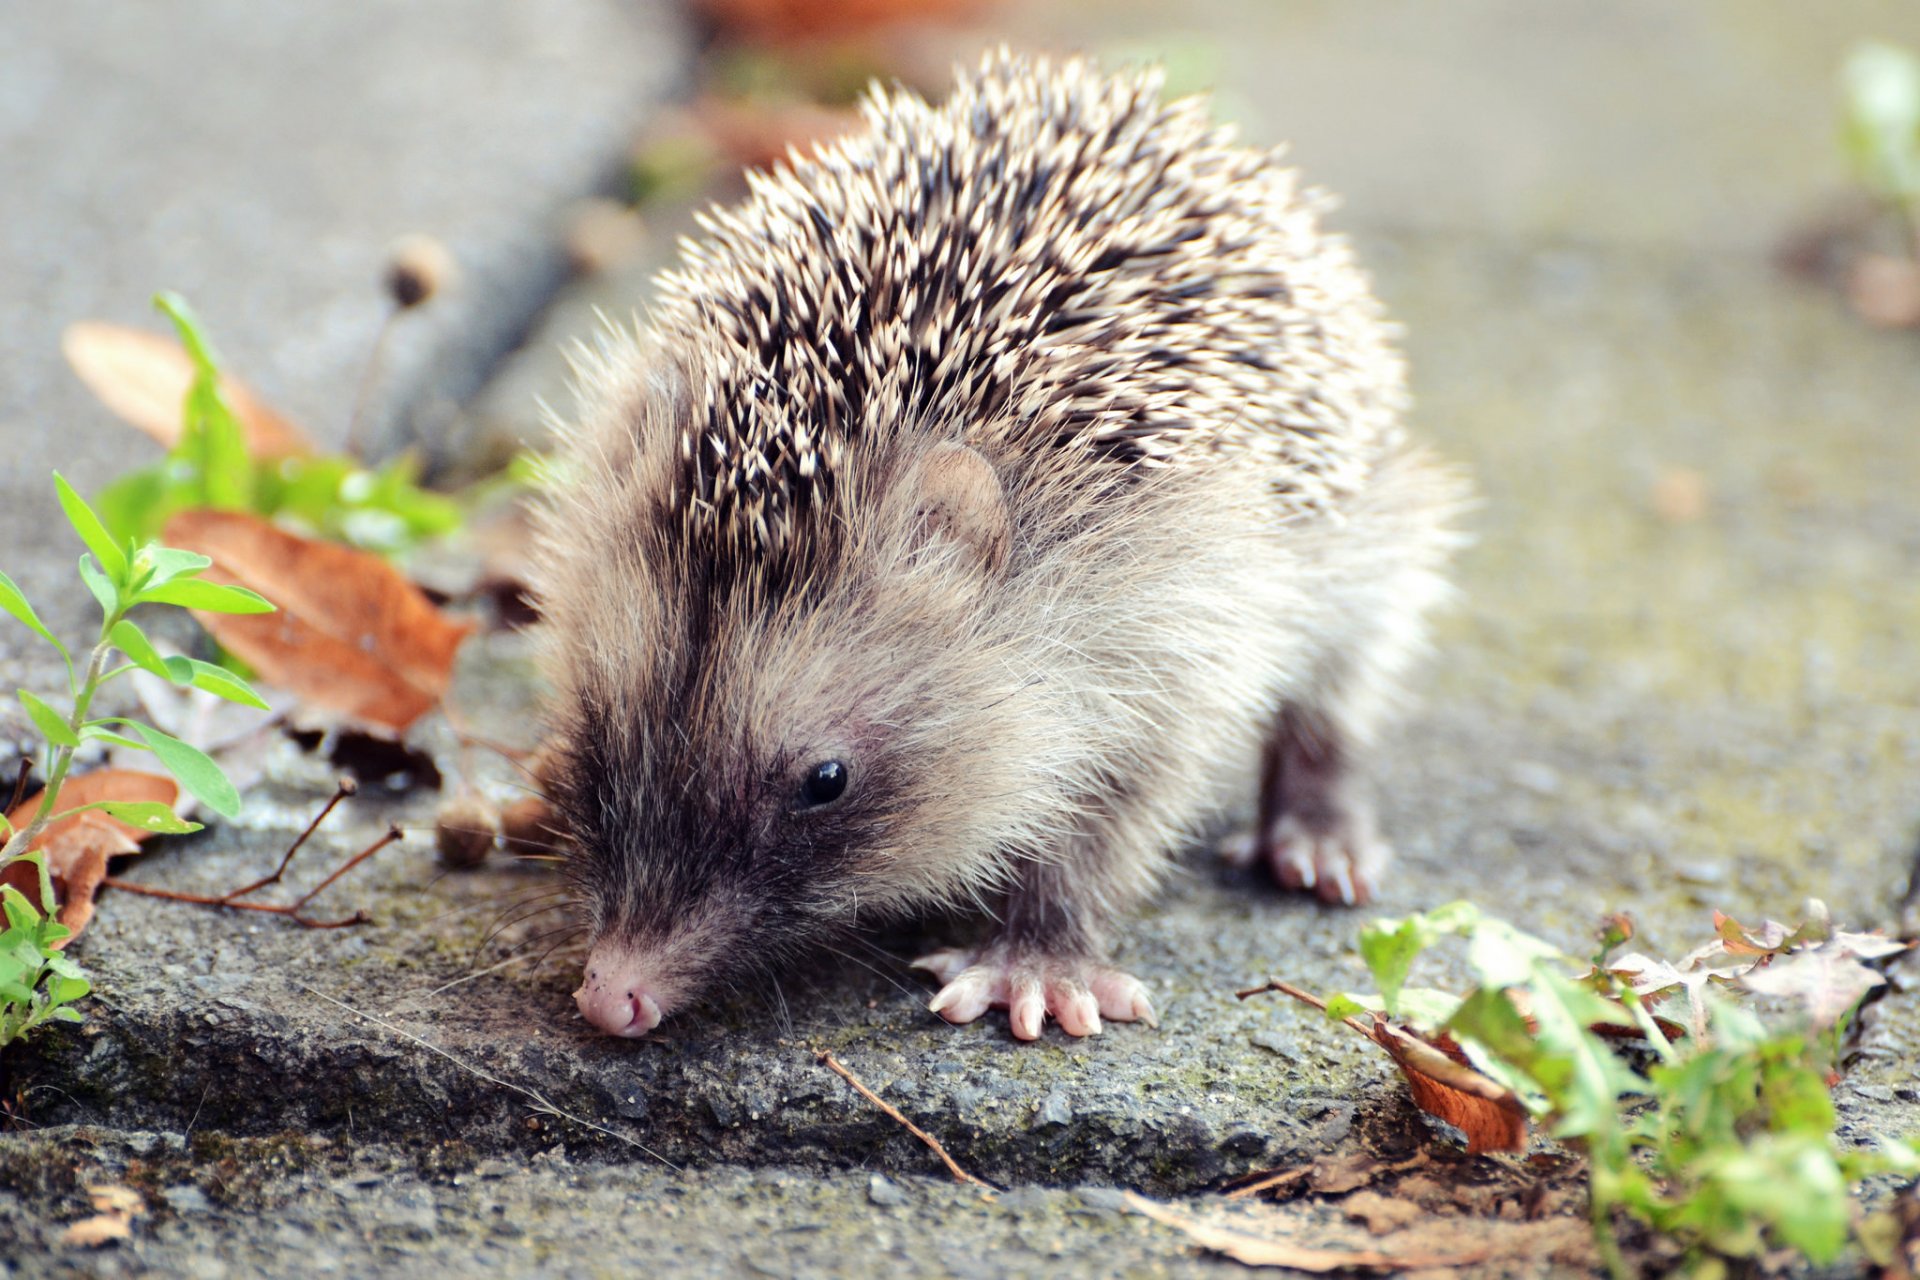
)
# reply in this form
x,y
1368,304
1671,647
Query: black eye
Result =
x,y
824,784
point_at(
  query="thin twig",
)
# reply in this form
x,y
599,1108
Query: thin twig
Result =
x,y
538,1099
369,375
20,783
393,834
292,910
959,1174
210,900
342,789
1268,1179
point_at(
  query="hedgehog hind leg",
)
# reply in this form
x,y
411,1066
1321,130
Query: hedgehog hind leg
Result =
x,y
1315,830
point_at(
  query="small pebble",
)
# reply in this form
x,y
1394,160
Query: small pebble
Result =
x,y
884,1192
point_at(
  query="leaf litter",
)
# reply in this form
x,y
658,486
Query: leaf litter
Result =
x,y
351,636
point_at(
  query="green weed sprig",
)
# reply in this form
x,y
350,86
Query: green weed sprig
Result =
x,y
1719,1136
36,982
121,577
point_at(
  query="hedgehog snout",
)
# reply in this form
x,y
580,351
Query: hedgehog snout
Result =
x,y
619,994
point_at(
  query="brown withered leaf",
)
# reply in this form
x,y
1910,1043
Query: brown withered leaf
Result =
x,y
1277,1236
1826,980
143,379
352,635
101,1228
117,1207
758,135
1770,937
780,21
112,1197
1446,1086
1440,1079
78,848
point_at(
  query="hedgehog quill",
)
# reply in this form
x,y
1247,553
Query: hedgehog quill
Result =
x,y
992,501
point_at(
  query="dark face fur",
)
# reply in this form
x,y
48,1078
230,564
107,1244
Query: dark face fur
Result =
x,y
747,765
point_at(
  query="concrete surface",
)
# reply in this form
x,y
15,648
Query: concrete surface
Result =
x,y
1638,705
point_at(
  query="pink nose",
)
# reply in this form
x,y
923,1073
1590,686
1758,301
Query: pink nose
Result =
x,y
615,997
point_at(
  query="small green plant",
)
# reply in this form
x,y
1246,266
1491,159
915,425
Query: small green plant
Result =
x,y
37,983
380,509
122,576
1718,1134
1880,97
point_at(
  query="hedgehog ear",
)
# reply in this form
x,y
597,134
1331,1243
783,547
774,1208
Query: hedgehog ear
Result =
x,y
958,496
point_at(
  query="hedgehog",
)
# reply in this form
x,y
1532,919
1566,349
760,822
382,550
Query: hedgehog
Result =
x,y
990,504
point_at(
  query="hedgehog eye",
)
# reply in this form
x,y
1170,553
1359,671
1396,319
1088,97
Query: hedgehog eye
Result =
x,y
824,784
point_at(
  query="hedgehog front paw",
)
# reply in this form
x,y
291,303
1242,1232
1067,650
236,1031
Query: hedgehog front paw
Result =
x,y
1340,861
1076,991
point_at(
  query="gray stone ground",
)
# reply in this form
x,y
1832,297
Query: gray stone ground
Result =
x,y
1570,208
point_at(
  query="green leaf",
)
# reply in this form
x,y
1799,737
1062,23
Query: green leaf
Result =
x,y
1390,946
1341,1006
1880,85
94,733
102,587
187,324
1503,956
39,862
67,990
20,912
52,725
192,593
16,604
195,771
212,443
91,531
223,683
1588,1099
171,562
148,815
135,506
133,642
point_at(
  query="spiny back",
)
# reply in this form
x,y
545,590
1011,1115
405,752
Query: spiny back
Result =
x,y
1053,259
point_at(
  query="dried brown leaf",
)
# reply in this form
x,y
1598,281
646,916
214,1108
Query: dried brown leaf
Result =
x,y
352,635
1445,1086
782,21
112,1197
1739,940
143,378
91,1233
1277,1251
757,136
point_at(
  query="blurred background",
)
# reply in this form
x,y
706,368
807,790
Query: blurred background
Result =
x,y
1655,264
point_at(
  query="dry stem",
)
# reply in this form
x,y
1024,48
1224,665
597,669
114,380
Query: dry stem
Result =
x,y
953,1167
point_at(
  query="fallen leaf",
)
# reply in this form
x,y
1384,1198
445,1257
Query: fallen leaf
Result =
x,y
1380,1213
758,135
1739,940
1275,1251
91,1233
782,21
78,848
143,378
1885,291
1826,981
1444,1086
112,1197
352,635
1870,946
118,1206
1680,495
